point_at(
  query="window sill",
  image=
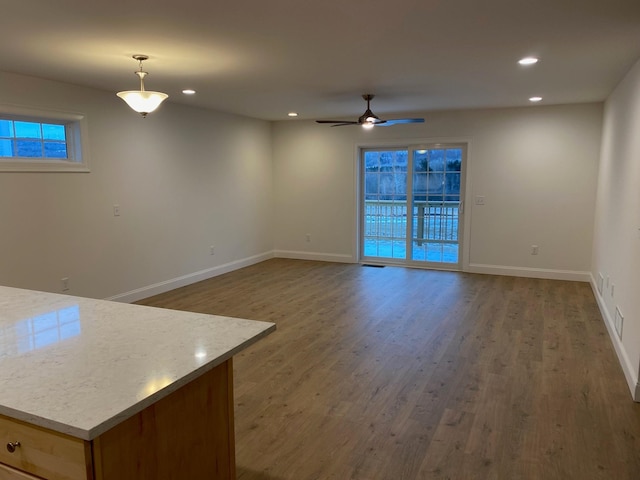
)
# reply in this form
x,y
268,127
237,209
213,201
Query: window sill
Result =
x,y
38,165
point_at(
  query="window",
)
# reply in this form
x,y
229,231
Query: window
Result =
x,y
36,140
32,139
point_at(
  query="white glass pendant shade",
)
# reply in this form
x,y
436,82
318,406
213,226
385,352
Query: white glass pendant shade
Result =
x,y
143,101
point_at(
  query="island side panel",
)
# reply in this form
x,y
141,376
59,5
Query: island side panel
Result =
x,y
188,434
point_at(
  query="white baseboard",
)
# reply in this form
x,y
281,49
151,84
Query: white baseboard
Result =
x,y
630,373
322,257
571,275
162,287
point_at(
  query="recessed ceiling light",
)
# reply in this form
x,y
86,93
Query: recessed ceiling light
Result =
x,y
292,114
528,61
188,91
535,99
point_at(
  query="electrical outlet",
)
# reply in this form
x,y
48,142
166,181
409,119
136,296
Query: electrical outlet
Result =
x,y
116,210
534,249
64,284
619,320
212,250
308,237
479,200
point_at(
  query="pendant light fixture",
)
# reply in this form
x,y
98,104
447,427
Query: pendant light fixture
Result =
x,y
142,101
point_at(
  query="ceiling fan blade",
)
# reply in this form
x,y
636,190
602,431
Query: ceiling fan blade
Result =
x,y
369,119
337,121
395,121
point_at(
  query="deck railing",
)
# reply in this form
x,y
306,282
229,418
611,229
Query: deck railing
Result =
x,y
432,221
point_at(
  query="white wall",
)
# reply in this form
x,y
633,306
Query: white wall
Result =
x,y
616,246
536,168
185,178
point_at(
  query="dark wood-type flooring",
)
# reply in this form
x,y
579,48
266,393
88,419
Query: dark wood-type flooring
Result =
x,y
401,374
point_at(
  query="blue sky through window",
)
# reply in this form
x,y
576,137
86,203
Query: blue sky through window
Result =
x,y
32,139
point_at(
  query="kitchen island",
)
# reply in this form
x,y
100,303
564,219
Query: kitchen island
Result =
x,y
99,390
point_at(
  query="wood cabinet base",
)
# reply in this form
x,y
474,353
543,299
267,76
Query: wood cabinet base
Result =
x,y
188,434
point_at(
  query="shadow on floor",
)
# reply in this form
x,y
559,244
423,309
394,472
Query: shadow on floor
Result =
x,y
243,473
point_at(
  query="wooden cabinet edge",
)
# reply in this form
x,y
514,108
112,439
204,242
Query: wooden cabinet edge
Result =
x,y
231,420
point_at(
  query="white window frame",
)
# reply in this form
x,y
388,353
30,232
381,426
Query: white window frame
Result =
x,y
357,187
77,141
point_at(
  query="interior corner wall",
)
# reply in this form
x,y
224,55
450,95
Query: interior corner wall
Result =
x,y
185,179
616,246
536,167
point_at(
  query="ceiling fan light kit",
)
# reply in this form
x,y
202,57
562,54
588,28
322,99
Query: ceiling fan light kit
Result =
x,y
369,120
142,101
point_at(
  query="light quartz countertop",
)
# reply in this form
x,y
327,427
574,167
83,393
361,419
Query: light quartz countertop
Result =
x,y
81,366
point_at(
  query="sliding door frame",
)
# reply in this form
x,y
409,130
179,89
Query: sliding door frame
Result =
x,y
465,193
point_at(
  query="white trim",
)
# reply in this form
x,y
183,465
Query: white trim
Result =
x,y
77,141
465,179
630,373
162,287
32,165
550,274
403,142
466,214
321,257
356,224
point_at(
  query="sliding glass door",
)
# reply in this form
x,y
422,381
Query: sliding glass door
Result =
x,y
385,204
411,205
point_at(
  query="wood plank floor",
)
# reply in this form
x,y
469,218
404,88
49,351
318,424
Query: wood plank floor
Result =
x,y
394,373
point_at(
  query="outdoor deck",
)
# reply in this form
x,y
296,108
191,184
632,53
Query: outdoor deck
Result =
x,y
434,230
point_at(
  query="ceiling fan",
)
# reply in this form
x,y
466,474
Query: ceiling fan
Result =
x,y
368,119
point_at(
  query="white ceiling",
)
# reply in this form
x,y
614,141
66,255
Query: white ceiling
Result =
x,y
264,58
